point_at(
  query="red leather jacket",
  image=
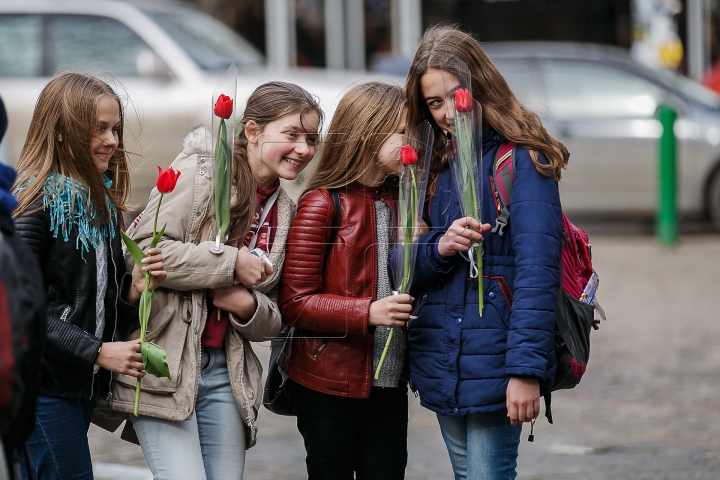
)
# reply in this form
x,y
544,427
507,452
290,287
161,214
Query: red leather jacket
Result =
x,y
327,300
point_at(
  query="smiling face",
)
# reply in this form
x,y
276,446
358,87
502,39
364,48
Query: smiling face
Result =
x,y
105,140
437,87
283,148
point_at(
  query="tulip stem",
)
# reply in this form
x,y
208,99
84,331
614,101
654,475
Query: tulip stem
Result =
x,y
157,213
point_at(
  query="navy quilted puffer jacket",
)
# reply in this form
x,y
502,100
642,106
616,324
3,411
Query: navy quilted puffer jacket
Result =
x,y
461,362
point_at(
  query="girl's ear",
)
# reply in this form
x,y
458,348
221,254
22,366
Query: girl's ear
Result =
x,y
252,131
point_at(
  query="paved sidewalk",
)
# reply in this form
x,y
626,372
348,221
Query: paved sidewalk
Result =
x,y
648,407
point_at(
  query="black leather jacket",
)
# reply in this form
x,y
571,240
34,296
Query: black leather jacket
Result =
x,y
70,282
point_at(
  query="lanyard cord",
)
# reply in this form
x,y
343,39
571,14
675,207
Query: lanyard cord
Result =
x,y
263,216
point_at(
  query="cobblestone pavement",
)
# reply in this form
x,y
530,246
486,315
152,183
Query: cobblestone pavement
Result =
x,y
648,407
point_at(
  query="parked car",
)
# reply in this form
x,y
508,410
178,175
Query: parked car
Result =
x,y
165,56
602,105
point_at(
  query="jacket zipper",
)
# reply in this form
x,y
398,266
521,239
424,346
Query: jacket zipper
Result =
x,y
250,422
65,313
320,348
195,331
117,297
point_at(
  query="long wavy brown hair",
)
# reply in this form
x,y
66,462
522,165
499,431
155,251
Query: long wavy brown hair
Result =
x,y
446,48
61,130
269,102
365,117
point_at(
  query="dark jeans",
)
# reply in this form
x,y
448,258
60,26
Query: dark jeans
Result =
x,y
346,435
58,445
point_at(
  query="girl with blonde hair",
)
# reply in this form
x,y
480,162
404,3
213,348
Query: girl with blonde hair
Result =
x,y
72,187
336,292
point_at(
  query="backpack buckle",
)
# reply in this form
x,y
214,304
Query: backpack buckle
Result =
x,y
500,223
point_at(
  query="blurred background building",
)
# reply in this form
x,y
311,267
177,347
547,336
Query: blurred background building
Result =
x,y
595,71
380,34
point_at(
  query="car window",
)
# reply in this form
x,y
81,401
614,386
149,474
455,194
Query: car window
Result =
x,y
698,92
93,43
210,43
523,78
577,89
20,46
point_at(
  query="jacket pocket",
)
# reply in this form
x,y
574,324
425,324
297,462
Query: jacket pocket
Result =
x,y
168,330
498,296
502,291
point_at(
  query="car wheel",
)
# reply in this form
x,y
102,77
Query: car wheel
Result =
x,y
713,198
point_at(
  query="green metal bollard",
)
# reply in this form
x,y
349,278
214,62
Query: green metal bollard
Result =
x,y
667,169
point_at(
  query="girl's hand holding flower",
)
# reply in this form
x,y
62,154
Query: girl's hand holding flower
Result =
x,y
392,311
460,236
121,357
151,263
250,269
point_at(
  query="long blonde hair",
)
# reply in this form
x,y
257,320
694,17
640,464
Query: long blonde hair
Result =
x,y
58,142
365,117
446,48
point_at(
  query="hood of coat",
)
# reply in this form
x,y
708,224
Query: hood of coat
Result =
x,y
198,140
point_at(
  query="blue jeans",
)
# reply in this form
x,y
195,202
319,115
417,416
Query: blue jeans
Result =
x,y
58,445
482,446
210,445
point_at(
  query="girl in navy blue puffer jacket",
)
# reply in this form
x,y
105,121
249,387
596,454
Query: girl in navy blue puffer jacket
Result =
x,y
483,375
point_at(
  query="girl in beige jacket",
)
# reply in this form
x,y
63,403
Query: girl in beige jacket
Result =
x,y
198,424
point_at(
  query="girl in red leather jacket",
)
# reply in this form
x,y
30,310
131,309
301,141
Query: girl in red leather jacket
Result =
x,y
336,294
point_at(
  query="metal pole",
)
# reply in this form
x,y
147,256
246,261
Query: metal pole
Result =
x,y
697,47
355,29
334,34
667,168
407,22
279,33
292,32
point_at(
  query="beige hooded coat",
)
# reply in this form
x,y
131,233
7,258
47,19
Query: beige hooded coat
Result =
x,y
179,309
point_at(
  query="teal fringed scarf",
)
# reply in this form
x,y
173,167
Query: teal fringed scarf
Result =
x,y
59,194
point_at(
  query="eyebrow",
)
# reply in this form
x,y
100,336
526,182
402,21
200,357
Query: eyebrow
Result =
x,y
448,93
298,128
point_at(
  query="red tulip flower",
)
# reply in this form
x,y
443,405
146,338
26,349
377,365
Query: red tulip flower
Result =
x,y
463,100
408,155
223,106
167,180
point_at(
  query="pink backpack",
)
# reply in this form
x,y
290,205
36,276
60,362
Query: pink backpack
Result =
x,y
574,317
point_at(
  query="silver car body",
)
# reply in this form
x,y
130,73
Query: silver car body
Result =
x,y
602,105
168,95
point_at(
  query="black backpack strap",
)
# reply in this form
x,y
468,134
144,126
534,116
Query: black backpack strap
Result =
x,y
548,410
274,396
503,175
336,220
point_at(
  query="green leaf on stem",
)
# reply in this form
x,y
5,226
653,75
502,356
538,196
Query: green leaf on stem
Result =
x,y
145,305
155,360
135,252
157,237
